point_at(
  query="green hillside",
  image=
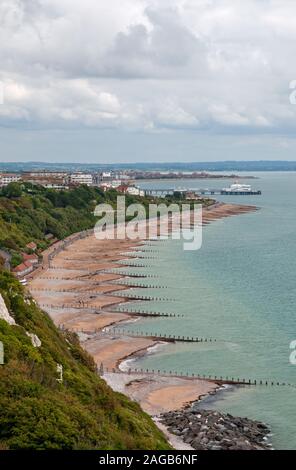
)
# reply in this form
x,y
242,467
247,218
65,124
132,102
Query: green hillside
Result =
x,y
29,212
38,412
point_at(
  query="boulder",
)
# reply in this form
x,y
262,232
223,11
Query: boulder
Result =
x,y
212,430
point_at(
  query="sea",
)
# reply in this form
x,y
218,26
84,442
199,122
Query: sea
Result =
x,y
239,289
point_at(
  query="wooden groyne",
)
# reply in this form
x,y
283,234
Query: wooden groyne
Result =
x,y
158,336
138,285
132,264
143,250
113,332
77,306
141,297
123,273
116,293
145,313
219,380
56,268
108,308
137,256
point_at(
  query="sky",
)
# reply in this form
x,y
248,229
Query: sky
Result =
x,y
147,80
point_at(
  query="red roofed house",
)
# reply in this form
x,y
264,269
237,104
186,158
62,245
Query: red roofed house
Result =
x,y
32,246
23,269
33,259
123,188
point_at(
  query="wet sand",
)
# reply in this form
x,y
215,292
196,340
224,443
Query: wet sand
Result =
x,y
159,393
77,293
111,349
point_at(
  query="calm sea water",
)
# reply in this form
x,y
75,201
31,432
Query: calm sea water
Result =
x,y
239,288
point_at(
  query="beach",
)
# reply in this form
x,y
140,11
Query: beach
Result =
x,y
77,287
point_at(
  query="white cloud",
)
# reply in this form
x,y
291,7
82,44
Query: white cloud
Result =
x,y
148,64
61,102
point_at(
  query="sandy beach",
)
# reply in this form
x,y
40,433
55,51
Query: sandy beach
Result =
x,y
76,291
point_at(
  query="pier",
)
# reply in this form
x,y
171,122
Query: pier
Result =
x,y
200,192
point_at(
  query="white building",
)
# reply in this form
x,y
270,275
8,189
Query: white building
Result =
x,y
106,175
112,176
6,178
110,184
56,186
135,191
81,178
44,174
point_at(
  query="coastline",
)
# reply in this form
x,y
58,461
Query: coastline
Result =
x,y
75,288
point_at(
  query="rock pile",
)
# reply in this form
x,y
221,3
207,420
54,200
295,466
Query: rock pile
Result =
x,y
212,430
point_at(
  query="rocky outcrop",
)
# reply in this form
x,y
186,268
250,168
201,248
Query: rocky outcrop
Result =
x,y
35,340
212,430
4,313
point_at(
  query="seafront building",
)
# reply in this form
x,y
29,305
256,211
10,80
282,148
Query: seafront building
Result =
x,y
30,258
7,178
23,269
51,180
81,178
119,181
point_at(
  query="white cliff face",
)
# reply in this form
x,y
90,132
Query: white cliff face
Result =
x,y
35,340
4,313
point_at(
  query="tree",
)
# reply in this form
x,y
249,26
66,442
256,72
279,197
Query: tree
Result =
x,y
12,190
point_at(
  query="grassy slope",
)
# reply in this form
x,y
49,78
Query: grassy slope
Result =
x,y
39,413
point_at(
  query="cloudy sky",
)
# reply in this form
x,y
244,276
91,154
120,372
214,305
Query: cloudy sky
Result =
x,y
157,80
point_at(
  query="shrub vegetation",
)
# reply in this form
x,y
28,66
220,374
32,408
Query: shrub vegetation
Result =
x,y
38,412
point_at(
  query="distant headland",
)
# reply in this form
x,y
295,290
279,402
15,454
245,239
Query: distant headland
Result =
x,y
213,166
